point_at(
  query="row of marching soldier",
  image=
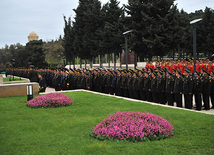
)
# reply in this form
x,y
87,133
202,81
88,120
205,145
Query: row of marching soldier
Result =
x,y
158,85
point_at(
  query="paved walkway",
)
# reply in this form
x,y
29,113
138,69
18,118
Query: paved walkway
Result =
x,y
211,111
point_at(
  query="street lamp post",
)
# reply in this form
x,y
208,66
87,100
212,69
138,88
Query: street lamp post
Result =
x,y
194,41
126,45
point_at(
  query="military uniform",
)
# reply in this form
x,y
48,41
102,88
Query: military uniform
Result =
x,y
110,83
177,90
206,92
124,85
187,91
154,88
129,85
118,85
42,84
147,88
135,87
161,88
57,82
197,89
169,90
33,76
105,87
142,94
88,81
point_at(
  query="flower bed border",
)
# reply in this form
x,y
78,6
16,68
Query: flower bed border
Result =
x,y
52,100
105,127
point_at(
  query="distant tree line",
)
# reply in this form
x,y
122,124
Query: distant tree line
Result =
x,y
36,52
158,29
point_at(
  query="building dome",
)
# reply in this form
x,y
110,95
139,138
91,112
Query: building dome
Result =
x,y
33,36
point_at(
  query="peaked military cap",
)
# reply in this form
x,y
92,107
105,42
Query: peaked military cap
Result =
x,y
154,73
158,67
188,71
115,71
206,72
187,68
160,72
169,72
197,72
178,71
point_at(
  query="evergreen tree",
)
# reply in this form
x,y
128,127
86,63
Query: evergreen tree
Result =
x,y
134,8
79,29
184,34
35,54
92,22
87,23
53,52
153,22
111,32
206,36
68,41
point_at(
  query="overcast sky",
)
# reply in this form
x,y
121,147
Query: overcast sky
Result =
x,y
19,17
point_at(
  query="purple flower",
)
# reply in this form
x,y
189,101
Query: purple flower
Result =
x,y
50,100
128,125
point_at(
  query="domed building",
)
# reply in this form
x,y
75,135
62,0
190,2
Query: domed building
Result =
x,y
33,36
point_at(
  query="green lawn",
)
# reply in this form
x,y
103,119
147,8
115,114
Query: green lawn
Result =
x,y
65,130
7,79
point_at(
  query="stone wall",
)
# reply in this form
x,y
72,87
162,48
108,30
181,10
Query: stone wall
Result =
x,y
17,89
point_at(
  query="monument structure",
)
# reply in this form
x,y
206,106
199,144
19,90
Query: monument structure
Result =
x,y
33,36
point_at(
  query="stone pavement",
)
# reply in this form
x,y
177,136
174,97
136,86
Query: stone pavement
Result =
x,y
211,111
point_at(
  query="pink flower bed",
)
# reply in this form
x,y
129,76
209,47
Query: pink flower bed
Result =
x,y
133,126
50,100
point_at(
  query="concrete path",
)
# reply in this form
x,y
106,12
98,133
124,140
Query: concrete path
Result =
x,y
211,111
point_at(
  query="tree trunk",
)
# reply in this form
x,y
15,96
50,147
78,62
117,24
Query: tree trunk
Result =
x,y
74,62
135,60
85,63
106,55
70,64
101,61
173,54
150,57
91,62
114,61
80,62
120,60
179,52
109,58
183,53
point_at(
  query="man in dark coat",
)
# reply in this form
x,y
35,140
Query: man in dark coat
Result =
x,y
187,88
42,83
124,83
197,89
154,87
161,88
142,94
177,89
169,88
206,90
129,83
33,75
147,86
119,91
135,86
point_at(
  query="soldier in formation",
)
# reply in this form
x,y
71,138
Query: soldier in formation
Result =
x,y
163,83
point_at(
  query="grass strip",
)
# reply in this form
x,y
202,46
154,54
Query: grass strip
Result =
x,y
65,130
